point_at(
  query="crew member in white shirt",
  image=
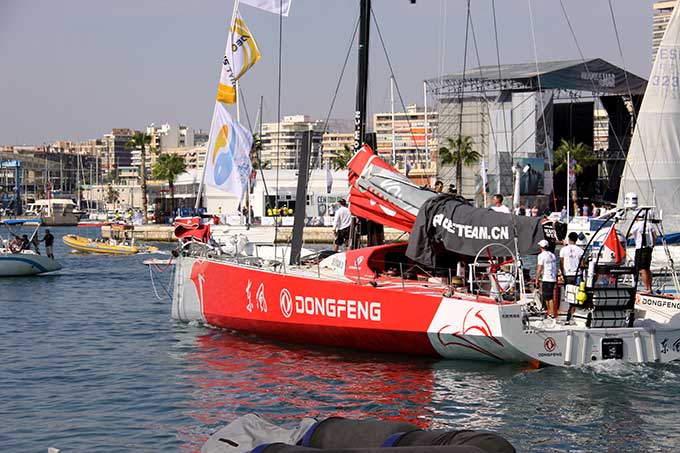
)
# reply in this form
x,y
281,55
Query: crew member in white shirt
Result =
x,y
570,258
498,205
645,237
546,272
341,224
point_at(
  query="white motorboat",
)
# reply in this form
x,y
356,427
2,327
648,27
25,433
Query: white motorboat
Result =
x,y
16,258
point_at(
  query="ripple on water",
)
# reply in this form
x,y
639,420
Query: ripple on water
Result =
x,y
91,362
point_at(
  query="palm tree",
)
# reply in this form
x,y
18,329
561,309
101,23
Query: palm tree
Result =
x,y
458,151
581,156
168,167
141,141
341,159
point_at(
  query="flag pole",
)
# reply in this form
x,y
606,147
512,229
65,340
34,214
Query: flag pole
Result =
x,y
394,149
568,176
200,183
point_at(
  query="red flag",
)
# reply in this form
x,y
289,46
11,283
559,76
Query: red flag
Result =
x,y
614,245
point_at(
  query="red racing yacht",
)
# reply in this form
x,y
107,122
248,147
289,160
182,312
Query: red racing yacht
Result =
x,y
455,290
408,297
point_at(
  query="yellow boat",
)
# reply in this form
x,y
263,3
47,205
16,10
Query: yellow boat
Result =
x,y
83,244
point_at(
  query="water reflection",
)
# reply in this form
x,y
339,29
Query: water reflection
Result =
x,y
234,375
607,406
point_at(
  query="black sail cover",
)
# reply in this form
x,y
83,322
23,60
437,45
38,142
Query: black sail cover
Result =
x,y
455,225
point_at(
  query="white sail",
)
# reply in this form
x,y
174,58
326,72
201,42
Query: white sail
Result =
x,y
652,168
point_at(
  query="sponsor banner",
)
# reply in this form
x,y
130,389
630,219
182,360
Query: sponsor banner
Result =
x,y
659,302
230,291
227,161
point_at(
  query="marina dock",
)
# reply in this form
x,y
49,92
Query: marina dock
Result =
x,y
312,235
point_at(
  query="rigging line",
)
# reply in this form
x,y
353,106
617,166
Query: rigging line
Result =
x,y
258,150
245,109
500,76
592,80
484,95
442,39
396,85
278,127
459,165
335,94
630,94
540,97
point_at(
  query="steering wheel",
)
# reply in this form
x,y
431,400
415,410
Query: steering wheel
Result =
x,y
495,264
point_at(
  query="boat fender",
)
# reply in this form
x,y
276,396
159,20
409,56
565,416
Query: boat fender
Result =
x,y
285,448
338,432
486,441
581,295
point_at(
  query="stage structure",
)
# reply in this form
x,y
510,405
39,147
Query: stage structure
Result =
x,y
518,113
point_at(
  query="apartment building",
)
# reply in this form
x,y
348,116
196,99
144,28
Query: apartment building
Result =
x,y
408,136
662,15
282,142
116,151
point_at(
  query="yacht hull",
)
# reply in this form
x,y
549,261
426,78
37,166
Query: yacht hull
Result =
x,y
21,264
409,318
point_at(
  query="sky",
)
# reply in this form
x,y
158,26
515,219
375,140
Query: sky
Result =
x,y
75,69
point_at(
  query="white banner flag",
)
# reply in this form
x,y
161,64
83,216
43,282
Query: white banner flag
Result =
x,y
240,55
329,178
227,159
483,174
273,6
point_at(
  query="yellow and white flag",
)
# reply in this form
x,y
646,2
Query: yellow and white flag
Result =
x,y
273,6
240,55
227,159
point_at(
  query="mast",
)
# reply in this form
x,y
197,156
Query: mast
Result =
x,y
362,81
361,99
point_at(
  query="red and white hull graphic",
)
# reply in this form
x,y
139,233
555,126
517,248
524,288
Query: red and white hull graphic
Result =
x,y
408,317
305,309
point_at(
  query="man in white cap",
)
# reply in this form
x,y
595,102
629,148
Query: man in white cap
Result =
x,y
546,272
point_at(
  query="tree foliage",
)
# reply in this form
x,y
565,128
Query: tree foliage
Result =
x,y
340,160
458,151
579,153
168,167
112,195
141,141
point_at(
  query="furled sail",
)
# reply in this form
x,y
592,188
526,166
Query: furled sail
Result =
x,y
378,192
652,168
448,222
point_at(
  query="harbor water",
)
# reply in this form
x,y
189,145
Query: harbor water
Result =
x,y
90,361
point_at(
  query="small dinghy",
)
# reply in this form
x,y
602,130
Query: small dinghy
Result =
x,y
121,242
254,433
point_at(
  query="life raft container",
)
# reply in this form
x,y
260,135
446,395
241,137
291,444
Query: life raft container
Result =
x,y
253,433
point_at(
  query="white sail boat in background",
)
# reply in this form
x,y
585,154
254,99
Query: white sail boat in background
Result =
x,y
652,168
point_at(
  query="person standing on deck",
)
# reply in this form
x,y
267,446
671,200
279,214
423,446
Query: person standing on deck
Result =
x,y
438,186
35,244
341,224
570,258
546,272
48,239
645,238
